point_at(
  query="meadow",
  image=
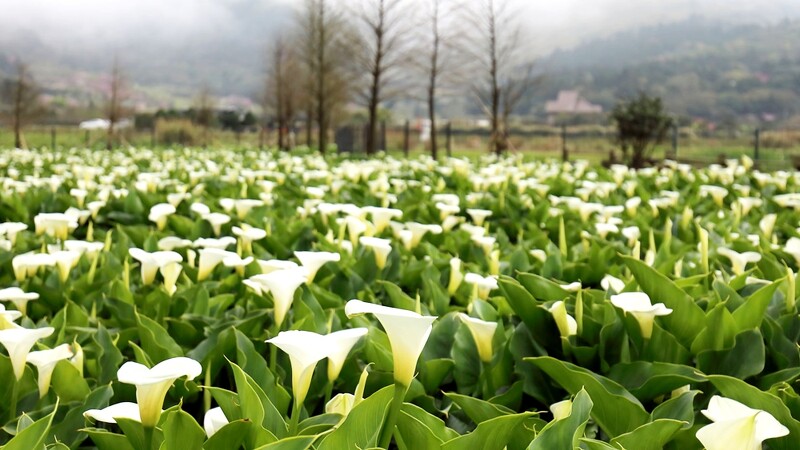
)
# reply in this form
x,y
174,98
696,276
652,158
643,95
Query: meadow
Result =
x,y
226,299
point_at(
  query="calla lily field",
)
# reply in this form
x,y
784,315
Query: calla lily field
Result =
x,y
241,299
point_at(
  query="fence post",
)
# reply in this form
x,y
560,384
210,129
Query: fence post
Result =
x,y
675,140
406,137
564,151
53,138
449,137
757,144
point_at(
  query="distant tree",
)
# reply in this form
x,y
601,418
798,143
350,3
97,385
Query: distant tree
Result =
x,y
437,62
382,55
283,88
325,49
506,74
204,106
21,97
116,98
642,123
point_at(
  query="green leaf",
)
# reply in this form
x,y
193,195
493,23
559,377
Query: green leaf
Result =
x,y
362,427
752,312
615,409
687,318
33,436
230,436
68,383
494,434
155,340
255,404
752,397
418,429
719,332
677,408
745,358
541,288
181,431
566,433
291,443
647,380
478,410
650,436
109,358
106,440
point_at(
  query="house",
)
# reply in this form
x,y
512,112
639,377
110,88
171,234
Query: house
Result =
x,y
571,102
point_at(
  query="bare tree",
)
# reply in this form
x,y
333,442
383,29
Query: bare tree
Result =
x,y
204,106
507,74
21,94
324,52
382,57
116,98
283,88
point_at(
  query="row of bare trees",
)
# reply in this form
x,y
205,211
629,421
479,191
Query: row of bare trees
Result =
x,y
373,51
364,52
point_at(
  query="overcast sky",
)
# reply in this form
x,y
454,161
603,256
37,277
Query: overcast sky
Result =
x,y
551,23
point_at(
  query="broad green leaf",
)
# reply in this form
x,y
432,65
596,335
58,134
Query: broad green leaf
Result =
x,y
181,431
290,443
33,436
155,340
687,319
752,311
106,440
650,436
647,380
255,404
566,433
418,429
362,427
677,408
541,288
615,409
478,410
493,434
230,436
745,358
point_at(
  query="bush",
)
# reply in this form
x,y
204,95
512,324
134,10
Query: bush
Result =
x,y
176,132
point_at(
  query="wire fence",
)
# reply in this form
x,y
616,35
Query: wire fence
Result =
x,y
771,148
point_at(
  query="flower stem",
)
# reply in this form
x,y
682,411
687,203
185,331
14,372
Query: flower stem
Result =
x,y
12,404
148,438
394,414
328,393
295,418
487,378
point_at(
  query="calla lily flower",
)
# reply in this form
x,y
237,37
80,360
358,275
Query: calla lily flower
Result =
x,y
561,410
45,362
18,342
612,283
159,214
567,326
380,248
153,383
482,286
214,420
109,414
407,332
739,260
7,318
151,262
170,272
65,261
237,262
57,225
479,215
170,243
27,264
221,243
18,297
305,349
247,235
11,229
275,264
209,259
282,284
341,404
456,277
792,247
382,216
483,333
340,343
639,306
737,427
217,220
418,230
90,249
313,261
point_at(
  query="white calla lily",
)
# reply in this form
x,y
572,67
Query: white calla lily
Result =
x,y
152,262
214,420
282,284
18,342
18,297
483,334
109,414
340,343
407,331
27,264
159,214
456,277
313,261
738,260
382,216
567,325
561,410
45,362
737,427
305,349
380,248
639,306
481,285
217,220
209,259
153,383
